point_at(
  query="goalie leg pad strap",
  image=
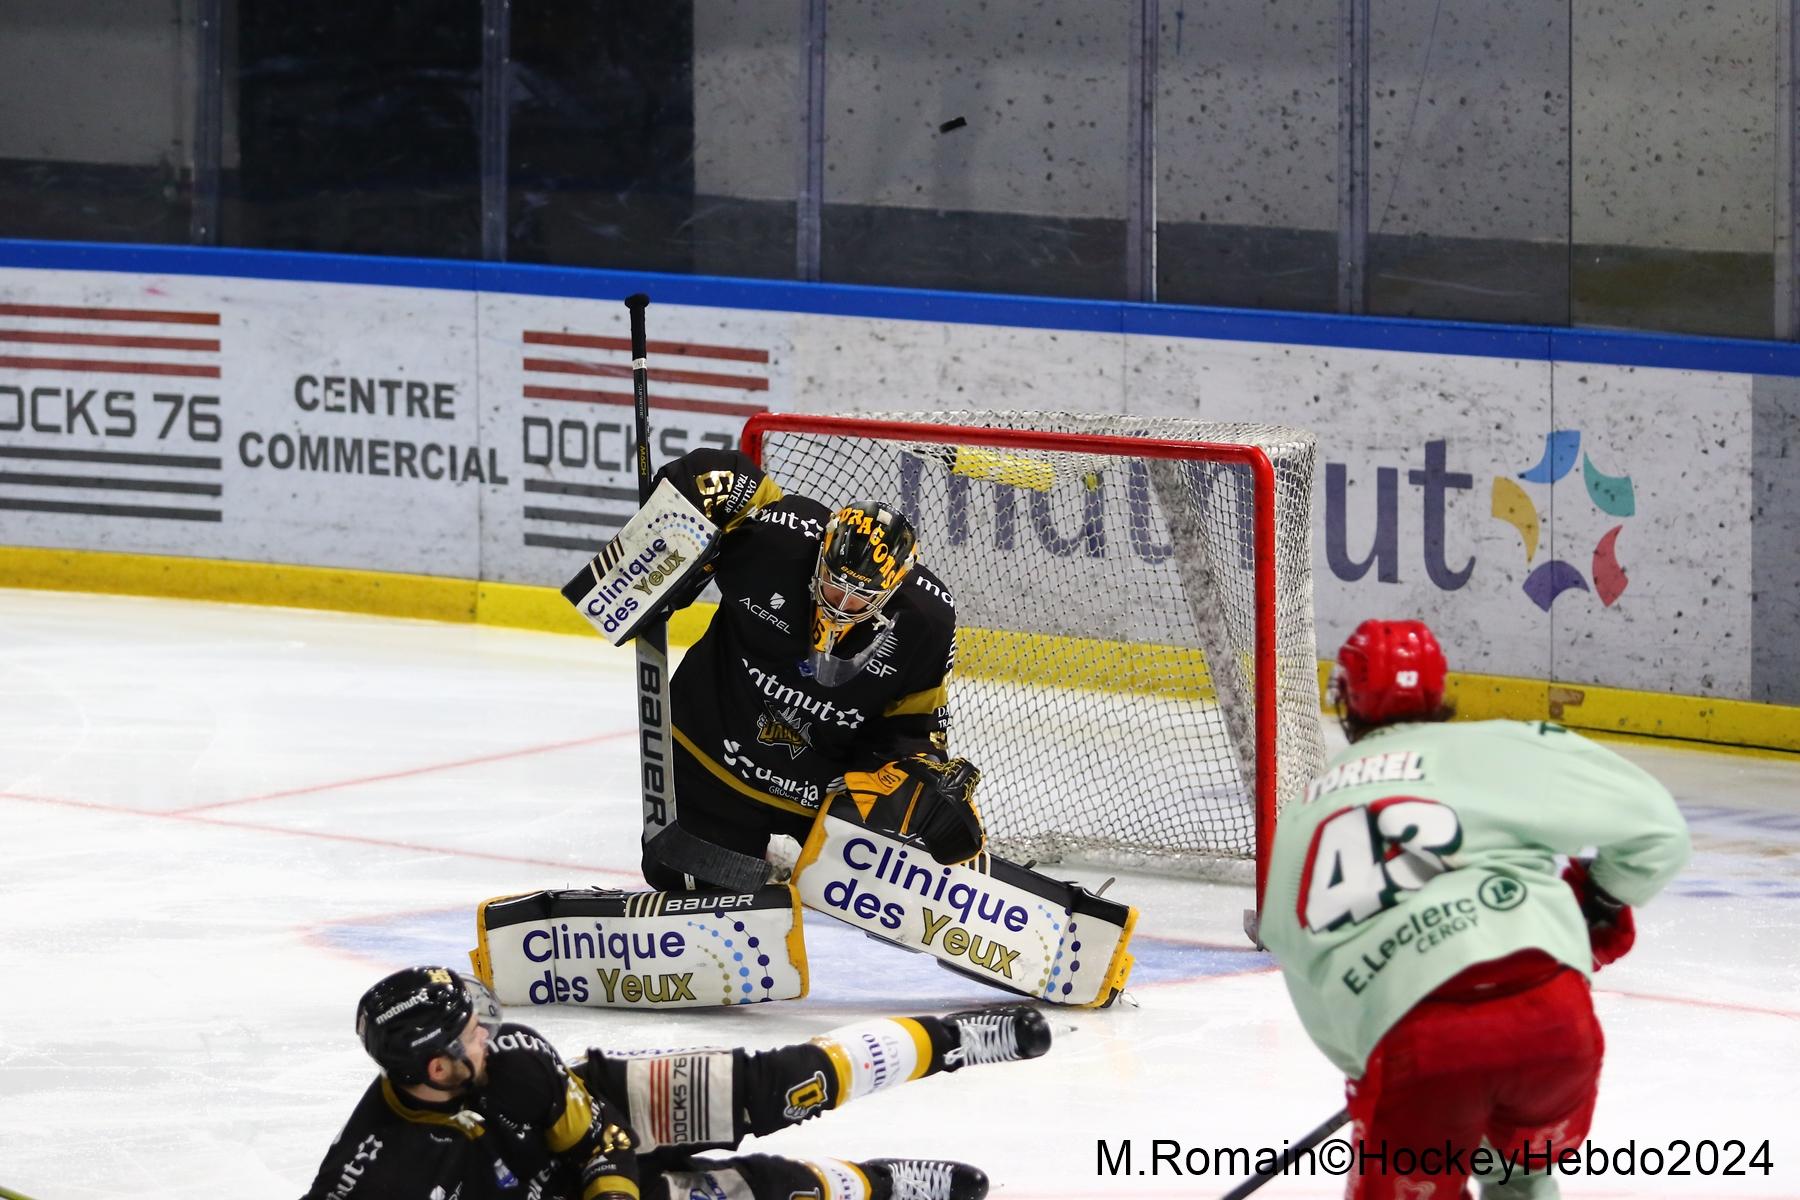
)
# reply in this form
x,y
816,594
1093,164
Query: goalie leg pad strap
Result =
x,y
990,919
609,949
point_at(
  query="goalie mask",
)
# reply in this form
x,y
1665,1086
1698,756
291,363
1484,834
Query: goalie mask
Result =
x,y
865,555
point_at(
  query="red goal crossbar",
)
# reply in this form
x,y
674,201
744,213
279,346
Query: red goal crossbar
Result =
x,y
1262,533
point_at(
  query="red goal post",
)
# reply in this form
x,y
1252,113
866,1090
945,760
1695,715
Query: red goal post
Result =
x,y
1137,627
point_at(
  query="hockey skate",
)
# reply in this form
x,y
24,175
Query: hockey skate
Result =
x,y
1005,1033
924,1179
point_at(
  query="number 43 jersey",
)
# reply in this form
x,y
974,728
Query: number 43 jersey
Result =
x,y
1427,848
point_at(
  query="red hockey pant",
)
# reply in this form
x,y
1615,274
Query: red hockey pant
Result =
x,y
1515,1069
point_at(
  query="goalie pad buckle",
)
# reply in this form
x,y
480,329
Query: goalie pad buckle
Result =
x,y
989,919
646,565
611,949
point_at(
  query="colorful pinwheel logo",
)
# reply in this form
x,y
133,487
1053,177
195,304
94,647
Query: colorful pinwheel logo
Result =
x,y
1611,494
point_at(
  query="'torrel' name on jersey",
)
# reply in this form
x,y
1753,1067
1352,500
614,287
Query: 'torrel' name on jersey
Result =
x,y
1371,768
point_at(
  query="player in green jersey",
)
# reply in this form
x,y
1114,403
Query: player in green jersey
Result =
x,y
1431,946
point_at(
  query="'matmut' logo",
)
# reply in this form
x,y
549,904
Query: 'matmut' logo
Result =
x,y
1610,494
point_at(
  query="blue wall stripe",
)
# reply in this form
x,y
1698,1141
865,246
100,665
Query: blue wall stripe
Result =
x,y
956,308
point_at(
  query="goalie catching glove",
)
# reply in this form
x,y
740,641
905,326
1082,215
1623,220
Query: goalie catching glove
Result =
x,y
923,798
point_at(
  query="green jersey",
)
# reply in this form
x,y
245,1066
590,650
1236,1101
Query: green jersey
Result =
x,y
1427,848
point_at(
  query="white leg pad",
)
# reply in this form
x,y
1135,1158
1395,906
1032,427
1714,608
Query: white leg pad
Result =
x,y
608,949
990,919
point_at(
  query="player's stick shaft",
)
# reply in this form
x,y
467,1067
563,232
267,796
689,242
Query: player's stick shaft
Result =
x,y
635,304
1325,1130
674,846
654,747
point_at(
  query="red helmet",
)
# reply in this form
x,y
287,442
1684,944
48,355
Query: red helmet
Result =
x,y
1389,671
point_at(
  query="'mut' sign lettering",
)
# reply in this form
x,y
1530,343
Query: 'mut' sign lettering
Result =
x,y
1384,555
1085,518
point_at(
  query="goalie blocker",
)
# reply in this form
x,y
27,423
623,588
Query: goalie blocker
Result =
x,y
648,563
990,919
611,949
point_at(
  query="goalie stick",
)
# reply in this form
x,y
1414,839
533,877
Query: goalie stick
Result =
x,y
1300,1147
664,839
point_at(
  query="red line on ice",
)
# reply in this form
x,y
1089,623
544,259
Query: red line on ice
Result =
x,y
356,839
411,771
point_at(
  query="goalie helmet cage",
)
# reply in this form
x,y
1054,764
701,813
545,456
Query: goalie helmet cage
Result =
x,y
1136,673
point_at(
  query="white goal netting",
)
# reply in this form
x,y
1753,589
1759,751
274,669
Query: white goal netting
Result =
x,y
1108,680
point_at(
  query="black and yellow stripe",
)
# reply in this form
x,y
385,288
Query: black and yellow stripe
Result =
x,y
737,785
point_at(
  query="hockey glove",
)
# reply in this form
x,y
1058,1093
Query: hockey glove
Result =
x,y
1612,930
922,797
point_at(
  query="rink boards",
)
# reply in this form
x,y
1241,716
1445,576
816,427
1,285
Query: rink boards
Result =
x,y
1623,527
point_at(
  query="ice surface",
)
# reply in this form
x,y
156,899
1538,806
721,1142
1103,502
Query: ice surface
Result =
x,y
221,823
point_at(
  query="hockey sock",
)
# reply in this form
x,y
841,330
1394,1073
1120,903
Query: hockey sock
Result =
x,y
766,1177
840,1180
871,1055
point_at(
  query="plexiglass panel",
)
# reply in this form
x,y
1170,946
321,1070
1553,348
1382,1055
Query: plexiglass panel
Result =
x,y
1625,165
354,127
977,147
1469,160
1246,146
1676,179
96,123
664,142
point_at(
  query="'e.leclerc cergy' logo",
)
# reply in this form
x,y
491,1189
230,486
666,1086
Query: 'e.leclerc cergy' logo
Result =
x,y
1611,494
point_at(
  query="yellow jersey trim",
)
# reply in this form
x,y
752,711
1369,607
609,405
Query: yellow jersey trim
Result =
x,y
465,1121
732,781
610,1185
577,1116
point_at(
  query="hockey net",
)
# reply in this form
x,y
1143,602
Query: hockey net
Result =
x,y
1136,674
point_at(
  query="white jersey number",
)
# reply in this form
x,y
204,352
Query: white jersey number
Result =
x,y
1361,859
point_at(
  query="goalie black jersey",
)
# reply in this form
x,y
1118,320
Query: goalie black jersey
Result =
x,y
532,1129
747,706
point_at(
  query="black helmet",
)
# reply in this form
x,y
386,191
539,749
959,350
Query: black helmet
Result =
x,y
867,550
415,1015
